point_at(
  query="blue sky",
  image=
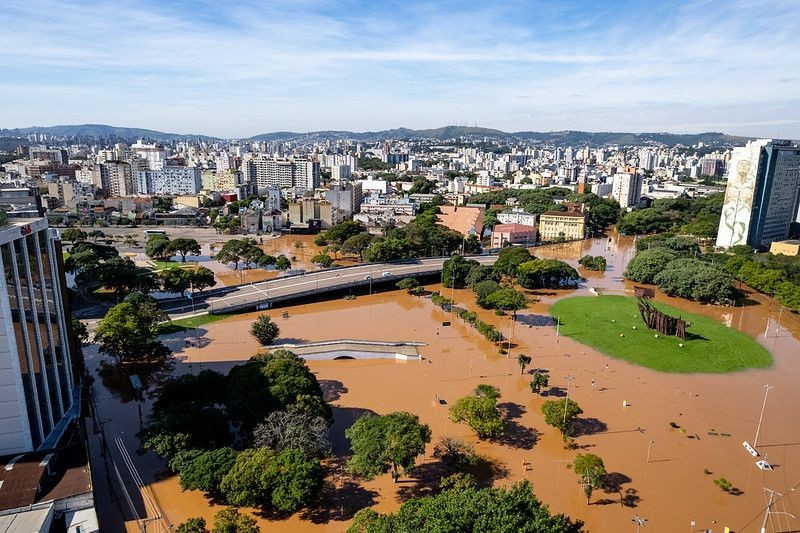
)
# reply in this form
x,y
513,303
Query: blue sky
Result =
x,y
241,68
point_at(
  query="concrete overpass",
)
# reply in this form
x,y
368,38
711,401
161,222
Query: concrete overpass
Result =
x,y
265,294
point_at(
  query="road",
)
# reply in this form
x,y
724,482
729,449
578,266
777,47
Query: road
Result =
x,y
266,293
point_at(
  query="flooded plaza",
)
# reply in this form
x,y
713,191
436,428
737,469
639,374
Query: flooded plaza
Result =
x,y
659,472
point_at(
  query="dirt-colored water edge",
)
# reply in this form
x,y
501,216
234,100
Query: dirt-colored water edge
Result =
x,y
715,412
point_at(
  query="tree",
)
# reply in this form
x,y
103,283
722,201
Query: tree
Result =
x,y
480,412
540,380
206,470
282,263
193,525
122,276
73,235
265,330
282,430
175,279
96,234
507,299
323,260
455,270
645,265
380,443
339,233
201,278
128,331
356,244
546,273
560,414
481,273
592,472
510,258
593,262
483,290
80,330
236,250
523,361
468,508
230,520
285,481
456,454
184,247
408,284
696,279
157,247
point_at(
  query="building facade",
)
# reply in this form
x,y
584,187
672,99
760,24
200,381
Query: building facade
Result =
x,y
762,194
561,225
38,394
627,189
512,233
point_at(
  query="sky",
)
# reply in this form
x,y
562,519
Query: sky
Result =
x,y
239,68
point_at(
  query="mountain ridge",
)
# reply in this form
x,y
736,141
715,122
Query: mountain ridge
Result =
x,y
88,132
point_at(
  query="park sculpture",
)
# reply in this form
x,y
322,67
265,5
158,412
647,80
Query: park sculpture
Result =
x,y
655,319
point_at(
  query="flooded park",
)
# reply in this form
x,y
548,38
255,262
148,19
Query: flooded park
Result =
x,y
664,437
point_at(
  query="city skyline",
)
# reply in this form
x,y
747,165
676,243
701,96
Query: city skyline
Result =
x,y
198,67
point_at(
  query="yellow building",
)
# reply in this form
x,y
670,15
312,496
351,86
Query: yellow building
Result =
x,y
791,248
561,225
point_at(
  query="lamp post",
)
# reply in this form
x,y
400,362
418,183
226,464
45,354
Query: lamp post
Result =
x,y
566,399
761,417
639,521
649,447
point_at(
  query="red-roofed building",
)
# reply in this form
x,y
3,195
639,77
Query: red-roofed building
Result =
x,y
465,220
512,233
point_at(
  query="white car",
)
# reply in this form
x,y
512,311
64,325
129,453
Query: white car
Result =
x,y
386,274
367,277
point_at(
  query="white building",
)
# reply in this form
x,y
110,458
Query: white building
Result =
x,y
517,216
154,154
169,181
627,189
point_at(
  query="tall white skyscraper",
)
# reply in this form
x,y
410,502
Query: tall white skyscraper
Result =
x,y
627,189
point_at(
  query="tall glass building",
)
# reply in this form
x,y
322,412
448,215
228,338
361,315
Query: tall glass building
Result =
x,y
762,196
38,394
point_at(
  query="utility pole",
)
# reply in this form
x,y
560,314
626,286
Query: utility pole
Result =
x,y
761,417
649,446
769,510
566,399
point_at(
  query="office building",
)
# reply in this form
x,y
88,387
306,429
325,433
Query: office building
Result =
x,y
38,389
762,194
264,170
154,154
517,216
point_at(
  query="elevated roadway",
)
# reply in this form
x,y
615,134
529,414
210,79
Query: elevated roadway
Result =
x,y
265,294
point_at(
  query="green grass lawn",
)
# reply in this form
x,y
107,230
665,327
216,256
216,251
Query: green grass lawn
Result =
x,y
710,347
187,323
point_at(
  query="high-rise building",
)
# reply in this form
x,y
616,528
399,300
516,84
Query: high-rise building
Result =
x,y
627,189
762,194
38,389
116,178
154,154
169,180
264,171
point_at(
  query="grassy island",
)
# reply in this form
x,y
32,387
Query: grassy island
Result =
x,y
612,325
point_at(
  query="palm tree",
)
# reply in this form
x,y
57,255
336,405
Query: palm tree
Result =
x,y
523,360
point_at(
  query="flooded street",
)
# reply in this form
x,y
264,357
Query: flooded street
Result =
x,y
659,471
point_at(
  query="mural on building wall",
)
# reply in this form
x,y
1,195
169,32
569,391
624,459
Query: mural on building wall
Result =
x,y
735,221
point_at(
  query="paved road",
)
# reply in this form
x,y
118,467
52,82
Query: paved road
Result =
x,y
265,293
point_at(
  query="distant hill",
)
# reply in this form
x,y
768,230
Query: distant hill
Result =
x,y
101,131
96,132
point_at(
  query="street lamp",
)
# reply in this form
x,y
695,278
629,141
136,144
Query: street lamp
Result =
x,y
639,521
761,417
649,447
566,399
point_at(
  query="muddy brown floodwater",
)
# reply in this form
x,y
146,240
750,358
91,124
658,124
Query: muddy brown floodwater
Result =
x,y
716,412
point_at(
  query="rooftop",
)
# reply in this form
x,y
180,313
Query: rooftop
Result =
x,y
512,228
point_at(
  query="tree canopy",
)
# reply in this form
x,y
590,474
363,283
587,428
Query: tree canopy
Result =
x,y
489,510
385,442
480,412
